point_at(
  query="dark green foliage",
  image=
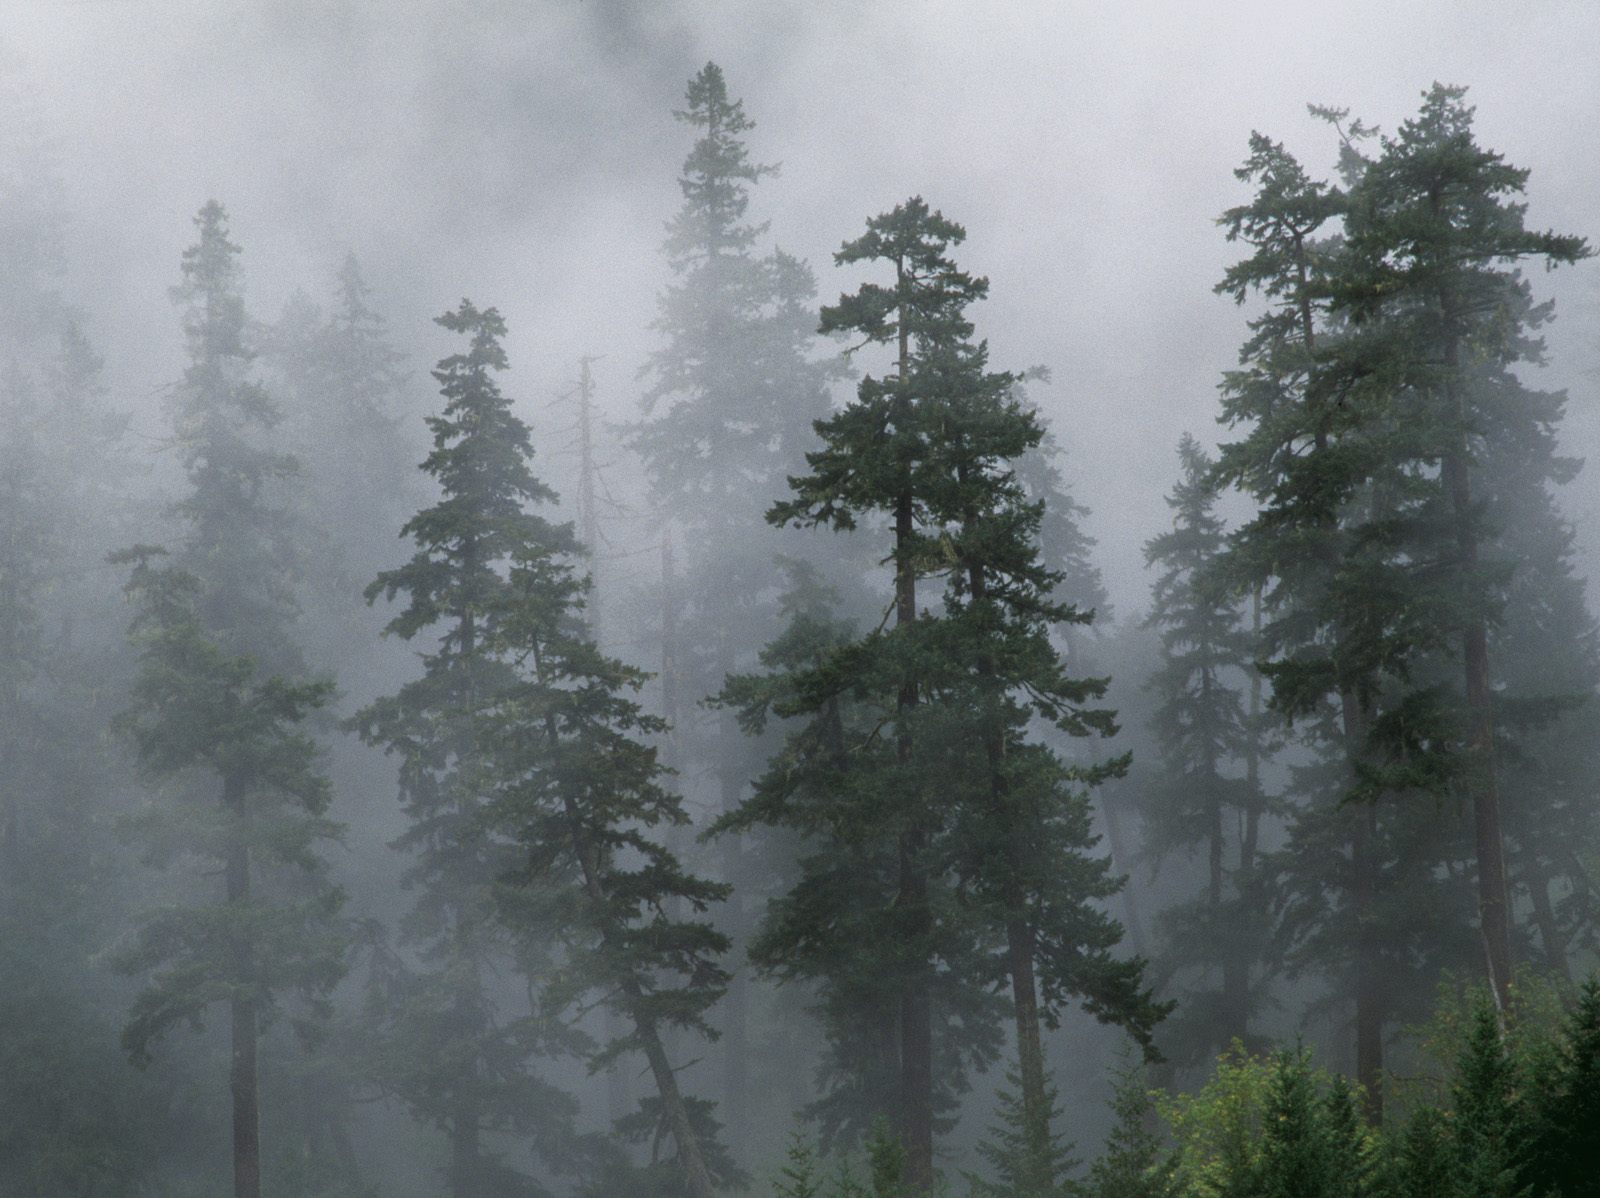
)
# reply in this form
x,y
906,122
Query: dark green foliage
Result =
x,y
1423,1165
827,784
732,391
1313,1142
968,818
198,715
886,1164
1294,1150
579,795
1442,320
801,1175
1564,1155
1490,1118
1413,570
1133,1163
1209,797
447,1048
1025,1159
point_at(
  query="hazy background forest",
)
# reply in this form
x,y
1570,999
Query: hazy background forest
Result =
x,y
227,235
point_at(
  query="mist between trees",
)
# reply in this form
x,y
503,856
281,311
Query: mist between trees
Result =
x,y
366,830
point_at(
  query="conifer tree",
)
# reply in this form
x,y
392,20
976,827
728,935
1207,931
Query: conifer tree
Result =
x,y
1346,622
218,709
345,393
580,796
930,448
1546,656
237,543
1490,1121
1423,1164
875,459
1434,226
1133,1163
205,717
1564,1156
1295,1160
1023,1163
1211,750
824,785
732,393
452,1055
1022,837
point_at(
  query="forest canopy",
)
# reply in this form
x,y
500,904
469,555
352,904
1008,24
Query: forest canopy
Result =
x,y
735,778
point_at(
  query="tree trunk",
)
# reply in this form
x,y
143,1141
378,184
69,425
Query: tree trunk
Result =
x,y
1122,862
1037,1174
697,1177
1363,886
1363,893
1555,945
1494,908
1241,958
736,1008
1215,873
1493,905
243,1082
916,1011
916,1007
1369,1006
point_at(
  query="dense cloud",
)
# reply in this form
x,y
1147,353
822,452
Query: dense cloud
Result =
x,y
524,153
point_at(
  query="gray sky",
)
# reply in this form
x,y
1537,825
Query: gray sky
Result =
x,y
522,152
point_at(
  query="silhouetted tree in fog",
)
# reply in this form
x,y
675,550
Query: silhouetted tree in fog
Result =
x,y
1208,796
733,390
458,1060
217,715
989,830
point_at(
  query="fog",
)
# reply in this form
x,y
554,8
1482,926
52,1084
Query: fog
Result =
x,y
525,154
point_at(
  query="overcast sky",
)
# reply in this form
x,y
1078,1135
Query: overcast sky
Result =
x,y
523,153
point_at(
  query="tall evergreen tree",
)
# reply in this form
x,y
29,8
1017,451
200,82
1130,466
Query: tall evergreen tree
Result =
x,y
1211,745
1022,839
1346,621
201,715
580,795
875,459
452,1054
238,541
732,393
216,705
967,797
829,925
1433,227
